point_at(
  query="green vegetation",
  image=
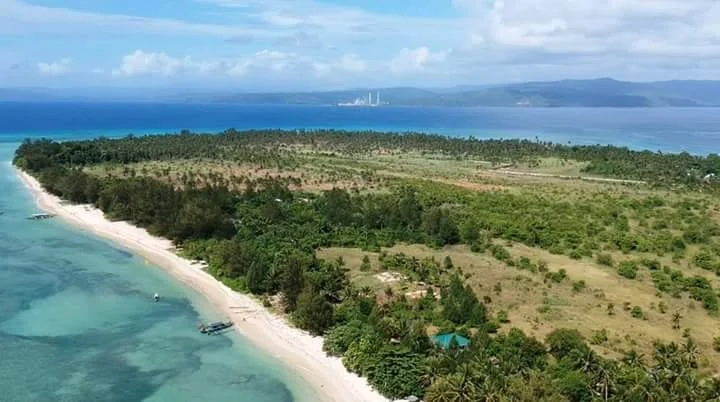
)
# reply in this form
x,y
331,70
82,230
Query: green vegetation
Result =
x,y
258,236
605,259
261,146
599,337
628,269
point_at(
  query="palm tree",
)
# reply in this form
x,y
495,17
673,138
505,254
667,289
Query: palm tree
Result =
x,y
435,367
634,359
712,390
690,351
676,320
457,387
366,291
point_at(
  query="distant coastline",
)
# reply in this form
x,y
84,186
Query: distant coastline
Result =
x,y
297,349
602,92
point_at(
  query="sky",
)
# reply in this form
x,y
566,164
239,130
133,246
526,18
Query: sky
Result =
x,y
278,45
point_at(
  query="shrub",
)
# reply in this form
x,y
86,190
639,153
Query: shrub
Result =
x,y
477,247
605,259
542,266
575,255
497,288
544,309
396,373
628,269
695,235
526,264
365,266
448,264
314,313
562,342
716,343
637,312
556,277
491,327
500,253
339,339
502,316
578,286
652,265
599,337
704,259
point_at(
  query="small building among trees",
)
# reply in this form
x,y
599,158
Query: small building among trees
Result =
x,y
450,341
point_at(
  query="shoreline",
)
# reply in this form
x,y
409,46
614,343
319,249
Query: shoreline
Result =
x,y
298,350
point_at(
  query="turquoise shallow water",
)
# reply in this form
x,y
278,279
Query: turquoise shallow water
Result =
x,y
77,323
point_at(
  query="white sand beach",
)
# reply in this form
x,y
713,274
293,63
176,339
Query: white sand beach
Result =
x,y
299,350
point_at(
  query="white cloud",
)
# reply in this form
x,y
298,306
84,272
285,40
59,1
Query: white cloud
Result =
x,y
608,27
352,63
141,62
349,63
409,60
262,63
59,67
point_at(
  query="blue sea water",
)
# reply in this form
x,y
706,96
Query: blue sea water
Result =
x,y
695,130
76,321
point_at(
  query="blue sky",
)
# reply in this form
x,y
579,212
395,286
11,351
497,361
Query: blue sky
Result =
x,y
322,44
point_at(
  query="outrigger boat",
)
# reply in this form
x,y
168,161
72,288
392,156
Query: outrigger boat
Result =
x,y
36,217
215,327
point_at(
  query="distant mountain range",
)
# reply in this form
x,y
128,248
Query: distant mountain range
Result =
x,y
603,92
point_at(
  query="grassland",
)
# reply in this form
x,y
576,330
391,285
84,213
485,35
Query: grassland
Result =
x,y
533,304
538,307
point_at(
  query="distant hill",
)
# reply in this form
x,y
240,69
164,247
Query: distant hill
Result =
x,y
603,92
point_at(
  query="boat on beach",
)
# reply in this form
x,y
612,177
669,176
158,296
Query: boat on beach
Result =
x,y
214,328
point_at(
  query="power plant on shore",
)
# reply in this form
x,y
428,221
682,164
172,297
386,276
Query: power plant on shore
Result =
x,y
368,102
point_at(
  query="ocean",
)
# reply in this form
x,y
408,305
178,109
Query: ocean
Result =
x,y
694,130
76,318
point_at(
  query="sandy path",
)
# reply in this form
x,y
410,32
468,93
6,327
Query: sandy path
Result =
x,y
299,350
560,176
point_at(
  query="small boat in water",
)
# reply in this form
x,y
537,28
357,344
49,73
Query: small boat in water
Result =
x,y
156,297
215,327
36,217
